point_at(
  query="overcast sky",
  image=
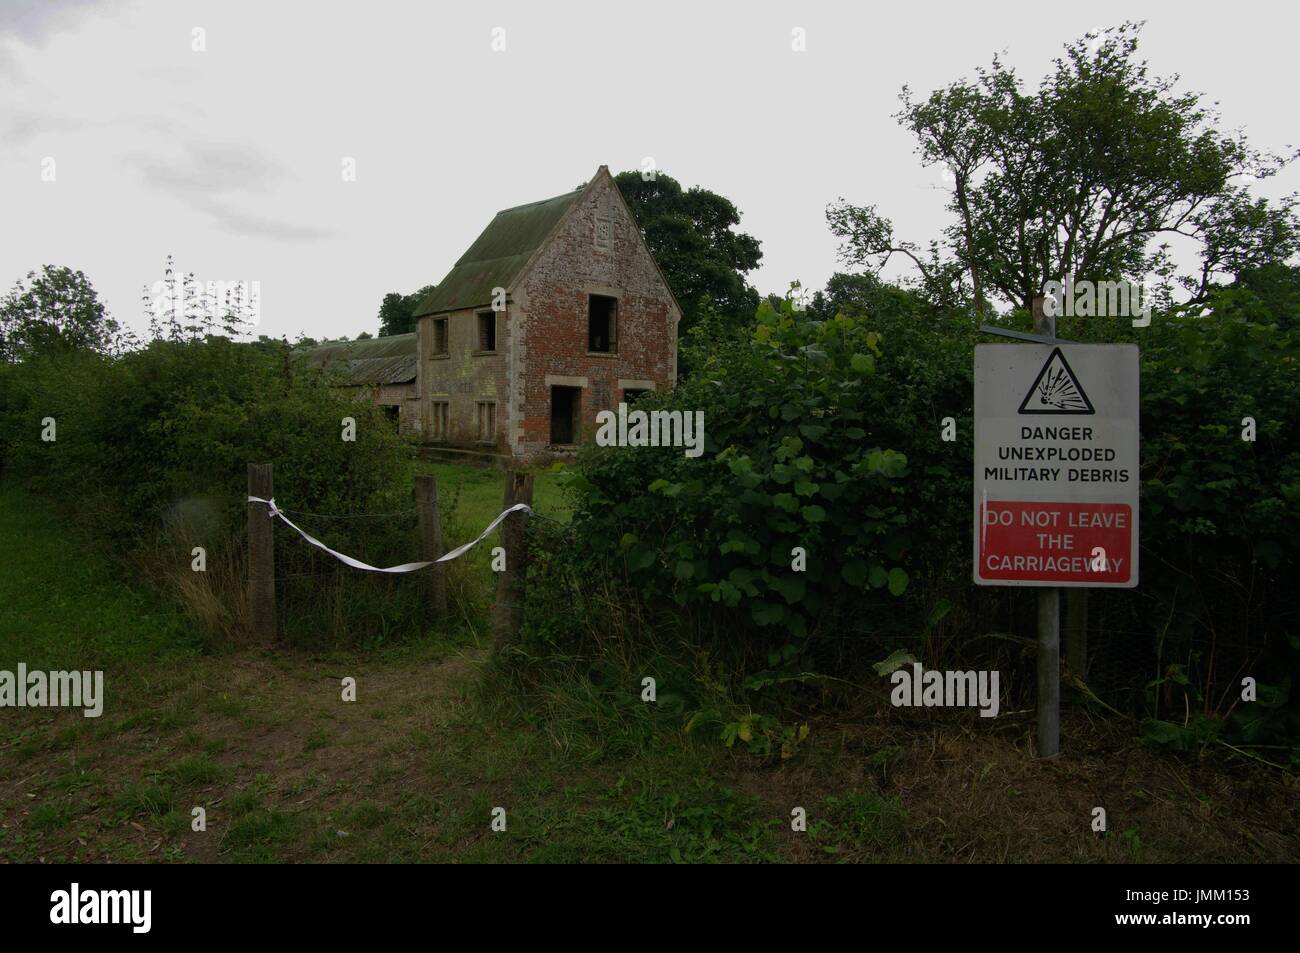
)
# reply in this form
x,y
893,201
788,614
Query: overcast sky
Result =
x,y
231,158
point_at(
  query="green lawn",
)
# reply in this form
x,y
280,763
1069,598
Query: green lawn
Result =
x,y
62,605
478,492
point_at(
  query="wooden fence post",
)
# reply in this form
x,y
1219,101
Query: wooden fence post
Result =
x,y
261,555
426,503
508,610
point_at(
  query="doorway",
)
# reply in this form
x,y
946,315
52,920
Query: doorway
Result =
x,y
566,412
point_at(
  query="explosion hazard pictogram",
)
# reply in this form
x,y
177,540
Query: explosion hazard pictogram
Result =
x,y
1056,390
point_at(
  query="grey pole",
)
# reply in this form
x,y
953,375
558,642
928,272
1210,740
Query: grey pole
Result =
x,y
1049,622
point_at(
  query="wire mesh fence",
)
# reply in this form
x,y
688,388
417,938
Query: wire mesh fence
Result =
x,y
320,600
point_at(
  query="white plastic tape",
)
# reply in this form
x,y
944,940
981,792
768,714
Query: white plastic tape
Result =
x,y
273,510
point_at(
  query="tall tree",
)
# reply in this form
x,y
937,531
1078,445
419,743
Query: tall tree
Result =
x,y
864,293
1083,176
397,311
692,235
394,318
56,310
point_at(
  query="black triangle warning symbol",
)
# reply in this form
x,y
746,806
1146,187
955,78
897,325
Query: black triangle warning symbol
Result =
x,y
1056,390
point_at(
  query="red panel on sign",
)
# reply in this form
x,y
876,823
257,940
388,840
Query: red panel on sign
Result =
x,y
1055,542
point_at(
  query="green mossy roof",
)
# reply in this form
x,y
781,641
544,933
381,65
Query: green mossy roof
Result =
x,y
497,256
382,360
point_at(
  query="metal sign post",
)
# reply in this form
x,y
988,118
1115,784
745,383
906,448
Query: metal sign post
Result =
x,y
1049,622
1056,480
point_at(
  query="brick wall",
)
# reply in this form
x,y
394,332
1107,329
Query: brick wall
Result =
x,y
550,344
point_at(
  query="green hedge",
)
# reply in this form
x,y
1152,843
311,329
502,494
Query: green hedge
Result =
x,y
824,432
175,421
152,451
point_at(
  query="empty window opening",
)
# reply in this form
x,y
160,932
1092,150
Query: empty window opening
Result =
x,y
440,420
601,314
566,411
487,331
393,412
632,394
487,422
439,335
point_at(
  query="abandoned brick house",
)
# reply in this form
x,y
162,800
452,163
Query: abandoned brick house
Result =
x,y
556,312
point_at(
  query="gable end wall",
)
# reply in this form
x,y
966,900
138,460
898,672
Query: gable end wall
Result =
x,y
548,331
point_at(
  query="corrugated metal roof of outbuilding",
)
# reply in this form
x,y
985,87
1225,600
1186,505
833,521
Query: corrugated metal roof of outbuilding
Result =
x,y
382,360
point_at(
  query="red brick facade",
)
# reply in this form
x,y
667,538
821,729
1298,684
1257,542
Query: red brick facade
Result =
x,y
542,335
551,340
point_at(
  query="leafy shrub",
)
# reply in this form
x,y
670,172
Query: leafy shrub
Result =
x,y
1220,521
152,449
823,431
177,421
793,459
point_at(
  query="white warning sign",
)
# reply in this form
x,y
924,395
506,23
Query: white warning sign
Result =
x,y
1056,465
